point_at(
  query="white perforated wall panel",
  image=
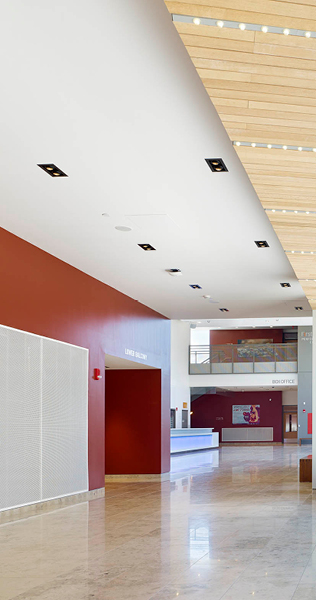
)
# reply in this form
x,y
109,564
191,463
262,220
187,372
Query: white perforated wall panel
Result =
x,y
44,418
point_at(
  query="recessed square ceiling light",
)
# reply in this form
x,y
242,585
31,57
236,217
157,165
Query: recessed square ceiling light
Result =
x,y
52,170
146,247
195,286
224,309
216,164
262,244
285,284
298,308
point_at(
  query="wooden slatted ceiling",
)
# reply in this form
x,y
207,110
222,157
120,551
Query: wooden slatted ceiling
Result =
x,y
263,86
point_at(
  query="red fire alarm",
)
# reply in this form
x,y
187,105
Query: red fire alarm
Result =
x,y
97,374
304,409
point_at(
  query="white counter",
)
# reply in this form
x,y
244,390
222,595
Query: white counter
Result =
x,y
186,440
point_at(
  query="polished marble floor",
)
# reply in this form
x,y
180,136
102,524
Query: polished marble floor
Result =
x,y
229,524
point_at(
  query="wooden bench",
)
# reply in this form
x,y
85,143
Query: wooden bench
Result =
x,y
300,440
306,468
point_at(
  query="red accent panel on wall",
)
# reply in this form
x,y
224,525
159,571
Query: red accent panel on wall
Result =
x,y
132,413
44,295
207,408
309,423
231,336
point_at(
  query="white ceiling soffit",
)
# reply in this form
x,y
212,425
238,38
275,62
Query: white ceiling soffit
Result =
x,y
107,92
116,363
250,323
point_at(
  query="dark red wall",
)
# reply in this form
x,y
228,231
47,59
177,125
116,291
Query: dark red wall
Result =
x,y
208,407
231,336
132,411
46,296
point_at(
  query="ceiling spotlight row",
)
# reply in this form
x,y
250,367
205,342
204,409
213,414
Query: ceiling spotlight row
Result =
x,y
274,146
242,26
296,212
312,280
299,252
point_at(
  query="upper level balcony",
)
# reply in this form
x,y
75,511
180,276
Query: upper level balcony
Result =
x,y
243,358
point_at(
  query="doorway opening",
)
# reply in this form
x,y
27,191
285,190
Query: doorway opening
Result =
x,y
133,418
290,427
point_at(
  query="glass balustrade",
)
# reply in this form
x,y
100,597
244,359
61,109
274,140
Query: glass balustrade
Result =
x,y
243,358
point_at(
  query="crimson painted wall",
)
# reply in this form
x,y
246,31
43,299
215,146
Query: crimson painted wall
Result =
x,y
132,411
207,408
43,295
231,336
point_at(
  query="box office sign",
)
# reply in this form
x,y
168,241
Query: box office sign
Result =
x,y
246,414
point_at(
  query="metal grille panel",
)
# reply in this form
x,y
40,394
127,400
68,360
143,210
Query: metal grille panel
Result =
x,y
43,425
247,434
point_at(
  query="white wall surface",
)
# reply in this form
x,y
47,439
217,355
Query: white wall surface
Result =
x,y
200,337
289,397
180,387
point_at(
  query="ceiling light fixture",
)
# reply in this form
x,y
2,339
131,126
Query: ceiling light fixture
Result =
x,y
224,309
216,164
285,285
52,170
242,26
298,308
146,247
307,252
275,146
195,286
174,272
220,24
262,244
291,211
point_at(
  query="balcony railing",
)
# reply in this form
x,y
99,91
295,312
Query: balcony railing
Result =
x,y
243,358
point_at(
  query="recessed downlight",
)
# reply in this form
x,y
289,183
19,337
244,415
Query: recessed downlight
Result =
x,y
298,308
52,170
216,165
262,244
285,285
224,309
195,286
123,228
197,21
146,247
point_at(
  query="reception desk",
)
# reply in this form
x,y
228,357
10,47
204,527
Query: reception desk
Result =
x,y
188,440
